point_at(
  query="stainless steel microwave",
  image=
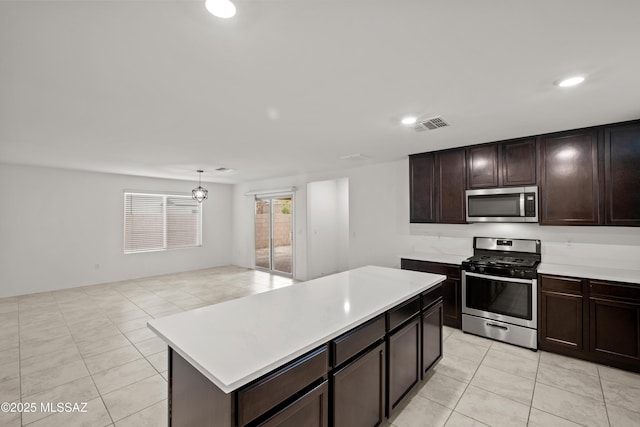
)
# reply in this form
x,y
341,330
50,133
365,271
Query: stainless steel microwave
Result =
x,y
515,204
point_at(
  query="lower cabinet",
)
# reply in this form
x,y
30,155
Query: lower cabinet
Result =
x,y
310,410
451,288
614,323
590,319
359,391
431,337
561,324
403,348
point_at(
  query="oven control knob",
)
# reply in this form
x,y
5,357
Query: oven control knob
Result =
x,y
512,272
472,268
522,273
480,269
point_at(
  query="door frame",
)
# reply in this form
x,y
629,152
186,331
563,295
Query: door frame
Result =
x,y
274,196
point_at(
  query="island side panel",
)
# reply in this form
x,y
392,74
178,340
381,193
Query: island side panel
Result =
x,y
194,401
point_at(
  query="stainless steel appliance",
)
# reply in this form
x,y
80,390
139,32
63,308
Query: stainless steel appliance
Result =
x,y
515,204
500,290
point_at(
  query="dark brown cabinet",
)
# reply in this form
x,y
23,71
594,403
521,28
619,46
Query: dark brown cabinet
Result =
x,y
310,410
359,391
451,287
502,164
482,166
437,187
614,322
422,184
622,175
590,319
403,363
518,162
431,337
561,314
570,192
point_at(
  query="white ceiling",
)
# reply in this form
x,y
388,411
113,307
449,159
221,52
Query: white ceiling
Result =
x,y
161,88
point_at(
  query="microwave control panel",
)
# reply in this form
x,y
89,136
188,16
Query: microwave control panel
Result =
x,y
530,204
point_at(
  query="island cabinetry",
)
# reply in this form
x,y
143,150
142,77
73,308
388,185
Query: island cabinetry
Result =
x,y
451,288
431,318
358,382
270,391
502,164
403,348
310,410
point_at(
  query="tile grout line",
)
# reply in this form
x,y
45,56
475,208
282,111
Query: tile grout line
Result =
x,y
604,399
85,363
469,383
535,382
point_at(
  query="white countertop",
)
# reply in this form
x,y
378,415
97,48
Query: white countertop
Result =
x,y
591,272
435,257
237,341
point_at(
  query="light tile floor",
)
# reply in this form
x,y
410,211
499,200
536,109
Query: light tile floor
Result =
x,y
91,345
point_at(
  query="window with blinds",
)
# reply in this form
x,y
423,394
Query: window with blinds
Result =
x,y
156,222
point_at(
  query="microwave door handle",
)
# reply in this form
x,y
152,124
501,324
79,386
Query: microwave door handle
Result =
x,y
521,204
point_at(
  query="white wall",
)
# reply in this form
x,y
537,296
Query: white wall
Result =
x,y
61,229
327,227
380,230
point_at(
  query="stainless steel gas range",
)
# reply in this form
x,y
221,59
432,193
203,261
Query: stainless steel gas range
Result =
x,y
500,290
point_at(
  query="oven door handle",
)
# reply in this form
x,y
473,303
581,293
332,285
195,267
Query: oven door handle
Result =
x,y
499,278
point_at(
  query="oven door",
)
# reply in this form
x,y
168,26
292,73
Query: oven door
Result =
x,y
505,299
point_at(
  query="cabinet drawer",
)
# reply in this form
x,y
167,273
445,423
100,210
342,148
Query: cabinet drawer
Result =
x,y
561,284
353,342
448,270
405,311
277,387
431,296
615,290
311,410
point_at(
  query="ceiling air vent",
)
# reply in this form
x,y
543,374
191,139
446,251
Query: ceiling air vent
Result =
x,y
431,124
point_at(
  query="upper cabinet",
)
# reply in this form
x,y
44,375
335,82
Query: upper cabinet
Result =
x,y
437,187
622,174
586,176
569,181
503,164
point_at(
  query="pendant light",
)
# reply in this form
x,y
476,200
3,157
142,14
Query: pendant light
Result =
x,y
220,8
200,194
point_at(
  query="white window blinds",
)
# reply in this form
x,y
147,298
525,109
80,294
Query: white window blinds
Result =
x,y
155,222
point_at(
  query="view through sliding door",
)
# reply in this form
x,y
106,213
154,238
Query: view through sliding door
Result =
x,y
274,234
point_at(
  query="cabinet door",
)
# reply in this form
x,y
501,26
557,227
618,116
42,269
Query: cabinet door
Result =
x,y
359,391
622,175
561,315
311,410
518,159
614,327
403,363
569,182
482,166
431,338
452,297
450,186
422,188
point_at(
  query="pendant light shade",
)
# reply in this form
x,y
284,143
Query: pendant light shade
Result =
x,y
200,194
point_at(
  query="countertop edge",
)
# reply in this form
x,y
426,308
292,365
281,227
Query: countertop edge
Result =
x,y
229,388
591,272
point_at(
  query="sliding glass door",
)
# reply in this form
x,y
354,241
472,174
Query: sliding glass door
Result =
x,y
274,234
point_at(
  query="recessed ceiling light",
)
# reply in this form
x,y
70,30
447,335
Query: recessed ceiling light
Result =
x,y
409,120
220,8
571,81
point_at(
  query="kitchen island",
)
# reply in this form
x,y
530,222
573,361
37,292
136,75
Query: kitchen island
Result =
x,y
356,342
